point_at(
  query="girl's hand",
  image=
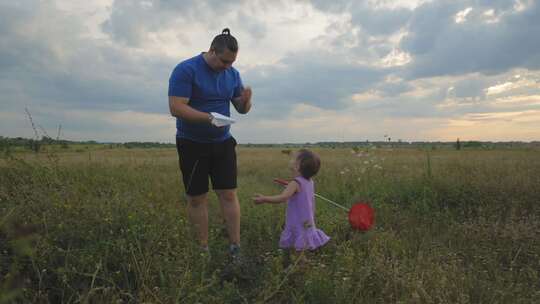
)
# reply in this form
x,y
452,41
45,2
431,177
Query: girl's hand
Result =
x,y
259,199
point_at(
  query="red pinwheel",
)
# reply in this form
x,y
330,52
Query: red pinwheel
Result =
x,y
361,215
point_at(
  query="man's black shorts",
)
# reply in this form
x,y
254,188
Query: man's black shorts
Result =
x,y
198,161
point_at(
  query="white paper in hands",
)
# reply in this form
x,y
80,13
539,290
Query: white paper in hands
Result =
x,y
220,120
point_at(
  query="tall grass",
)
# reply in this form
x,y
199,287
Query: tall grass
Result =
x,y
110,226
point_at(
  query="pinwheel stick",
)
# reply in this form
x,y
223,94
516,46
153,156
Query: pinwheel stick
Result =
x,y
284,183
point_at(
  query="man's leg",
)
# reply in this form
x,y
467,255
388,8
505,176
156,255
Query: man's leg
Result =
x,y
193,161
239,266
231,212
197,209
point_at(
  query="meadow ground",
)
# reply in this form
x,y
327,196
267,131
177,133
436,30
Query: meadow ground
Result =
x,y
109,226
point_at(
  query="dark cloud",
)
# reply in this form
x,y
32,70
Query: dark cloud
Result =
x,y
49,62
375,21
320,80
380,22
131,22
393,88
253,26
471,87
56,66
16,52
440,46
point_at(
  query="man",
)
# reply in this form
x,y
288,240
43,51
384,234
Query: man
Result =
x,y
198,86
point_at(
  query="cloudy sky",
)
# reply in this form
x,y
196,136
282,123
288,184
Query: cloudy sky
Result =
x,y
320,70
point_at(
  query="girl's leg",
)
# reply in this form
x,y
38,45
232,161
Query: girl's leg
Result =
x,y
299,258
286,258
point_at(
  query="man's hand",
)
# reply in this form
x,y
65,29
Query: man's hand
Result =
x,y
179,107
242,103
246,95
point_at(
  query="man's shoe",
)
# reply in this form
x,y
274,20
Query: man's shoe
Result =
x,y
234,251
238,266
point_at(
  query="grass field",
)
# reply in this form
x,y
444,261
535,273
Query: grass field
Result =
x,y
109,226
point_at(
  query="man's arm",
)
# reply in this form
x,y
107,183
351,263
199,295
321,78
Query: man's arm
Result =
x,y
179,107
242,103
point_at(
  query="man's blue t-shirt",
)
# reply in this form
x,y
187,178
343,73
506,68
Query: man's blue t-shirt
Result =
x,y
207,91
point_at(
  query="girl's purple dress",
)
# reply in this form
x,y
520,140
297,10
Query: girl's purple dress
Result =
x,y
300,231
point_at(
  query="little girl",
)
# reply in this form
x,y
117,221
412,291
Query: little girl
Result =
x,y
300,231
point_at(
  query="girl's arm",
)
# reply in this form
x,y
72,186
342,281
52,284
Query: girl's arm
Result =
x,y
289,191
